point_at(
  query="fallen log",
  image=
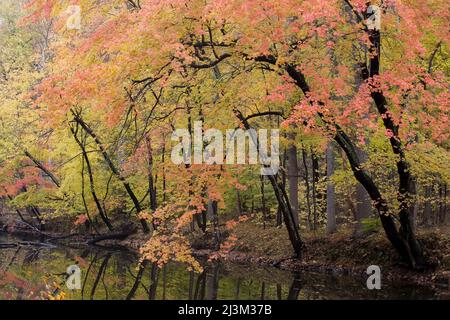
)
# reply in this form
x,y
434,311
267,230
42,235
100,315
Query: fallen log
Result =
x,y
49,236
25,243
36,244
111,236
8,245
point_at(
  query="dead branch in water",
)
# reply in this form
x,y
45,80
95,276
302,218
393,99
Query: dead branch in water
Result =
x,y
25,243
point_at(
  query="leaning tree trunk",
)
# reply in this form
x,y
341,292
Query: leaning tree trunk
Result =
x,y
282,198
403,240
113,168
407,184
42,168
380,203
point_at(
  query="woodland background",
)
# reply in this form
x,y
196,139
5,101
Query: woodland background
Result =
x,y
87,115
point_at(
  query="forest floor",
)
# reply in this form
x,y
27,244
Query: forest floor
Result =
x,y
341,253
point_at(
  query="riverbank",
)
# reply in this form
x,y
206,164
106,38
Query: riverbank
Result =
x,y
31,272
341,254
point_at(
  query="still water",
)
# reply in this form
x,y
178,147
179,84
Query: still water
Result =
x,y
30,272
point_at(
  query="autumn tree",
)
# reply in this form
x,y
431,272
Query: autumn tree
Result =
x,y
297,60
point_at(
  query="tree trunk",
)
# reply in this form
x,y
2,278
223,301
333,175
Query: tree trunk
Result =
x,y
151,184
428,214
331,199
407,186
154,277
214,217
363,203
42,168
152,193
315,180
308,191
212,283
82,146
279,217
238,203
282,198
113,168
164,188
380,203
83,197
442,203
263,202
292,176
403,240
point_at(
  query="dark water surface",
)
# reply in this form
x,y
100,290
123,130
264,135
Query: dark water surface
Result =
x,y
31,272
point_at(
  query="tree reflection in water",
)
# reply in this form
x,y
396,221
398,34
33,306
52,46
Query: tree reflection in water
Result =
x,y
118,275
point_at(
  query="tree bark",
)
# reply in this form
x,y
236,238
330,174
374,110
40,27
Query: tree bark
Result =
x,y
407,183
213,216
427,211
154,277
292,175
308,188
315,180
151,184
363,203
263,202
112,236
91,179
331,198
113,168
283,200
239,208
43,168
212,283
152,193
404,241
442,203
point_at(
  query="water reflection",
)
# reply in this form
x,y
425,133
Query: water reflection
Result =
x,y
25,272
